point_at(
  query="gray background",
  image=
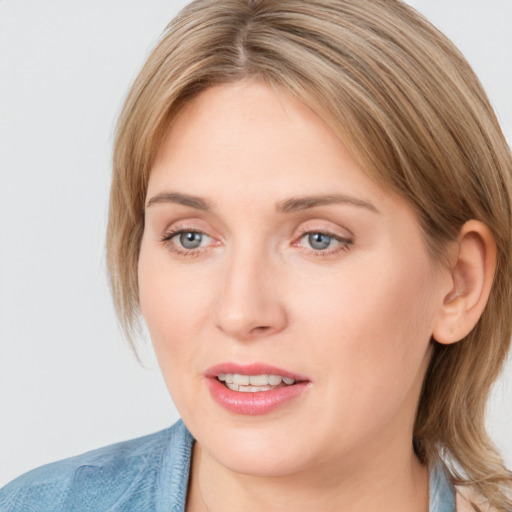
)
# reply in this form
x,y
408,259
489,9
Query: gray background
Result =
x,y
68,382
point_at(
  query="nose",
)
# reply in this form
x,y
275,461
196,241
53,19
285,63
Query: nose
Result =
x,y
250,304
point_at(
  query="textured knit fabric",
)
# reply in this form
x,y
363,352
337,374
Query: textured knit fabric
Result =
x,y
143,475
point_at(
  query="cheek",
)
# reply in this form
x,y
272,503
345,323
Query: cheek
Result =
x,y
174,308
371,327
174,305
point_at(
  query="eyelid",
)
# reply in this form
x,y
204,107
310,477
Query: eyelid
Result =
x,y
172,233
326,228
193,224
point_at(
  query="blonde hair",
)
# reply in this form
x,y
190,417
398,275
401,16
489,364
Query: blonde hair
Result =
x,y
411,111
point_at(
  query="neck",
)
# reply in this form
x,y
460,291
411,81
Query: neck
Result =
x,y
393,481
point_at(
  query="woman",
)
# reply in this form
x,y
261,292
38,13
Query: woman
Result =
x,y
311,209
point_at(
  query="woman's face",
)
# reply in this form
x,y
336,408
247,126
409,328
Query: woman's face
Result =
x,y
268,251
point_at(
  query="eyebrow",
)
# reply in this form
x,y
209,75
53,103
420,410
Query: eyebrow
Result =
x,y
184,199
293,204
305,202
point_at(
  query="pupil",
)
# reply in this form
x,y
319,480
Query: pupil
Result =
x,y
319,241
190,240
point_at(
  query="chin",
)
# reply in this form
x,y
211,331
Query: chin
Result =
x,y
267,449
269,463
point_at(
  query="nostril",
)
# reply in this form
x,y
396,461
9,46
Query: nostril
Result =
x,y
259,330
262,328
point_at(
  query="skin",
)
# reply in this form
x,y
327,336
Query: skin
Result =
x,y
356,318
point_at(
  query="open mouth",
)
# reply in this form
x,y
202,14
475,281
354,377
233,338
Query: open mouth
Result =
x,y
254,383
254,389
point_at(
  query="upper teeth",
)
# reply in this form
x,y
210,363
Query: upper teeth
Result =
x,y
254,380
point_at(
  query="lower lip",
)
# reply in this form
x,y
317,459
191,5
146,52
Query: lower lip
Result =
x,y
252,404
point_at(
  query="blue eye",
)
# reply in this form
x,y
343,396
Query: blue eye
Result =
x,y
190,239
324,244
319,241
186,241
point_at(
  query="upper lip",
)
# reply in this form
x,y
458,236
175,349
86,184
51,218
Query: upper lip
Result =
x,y
252,369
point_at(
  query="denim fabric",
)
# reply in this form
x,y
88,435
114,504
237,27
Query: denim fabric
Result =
x,y
143,475
442,494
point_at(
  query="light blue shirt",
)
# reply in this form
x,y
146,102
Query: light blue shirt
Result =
x,y
142,475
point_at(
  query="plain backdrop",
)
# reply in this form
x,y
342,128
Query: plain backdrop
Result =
x,y
68,381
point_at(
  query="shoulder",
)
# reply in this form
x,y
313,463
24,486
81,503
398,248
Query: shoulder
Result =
x,y
123,473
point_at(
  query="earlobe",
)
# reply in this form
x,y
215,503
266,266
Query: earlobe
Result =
x,y
472,273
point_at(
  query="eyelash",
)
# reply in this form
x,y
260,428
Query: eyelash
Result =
x,y
344,243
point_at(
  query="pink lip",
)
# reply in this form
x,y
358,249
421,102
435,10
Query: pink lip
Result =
x,y
260,402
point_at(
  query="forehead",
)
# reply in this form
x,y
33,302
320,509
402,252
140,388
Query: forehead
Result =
x,y
248,133
247,114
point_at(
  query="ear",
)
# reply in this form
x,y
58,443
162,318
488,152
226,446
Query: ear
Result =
x,y
472,270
